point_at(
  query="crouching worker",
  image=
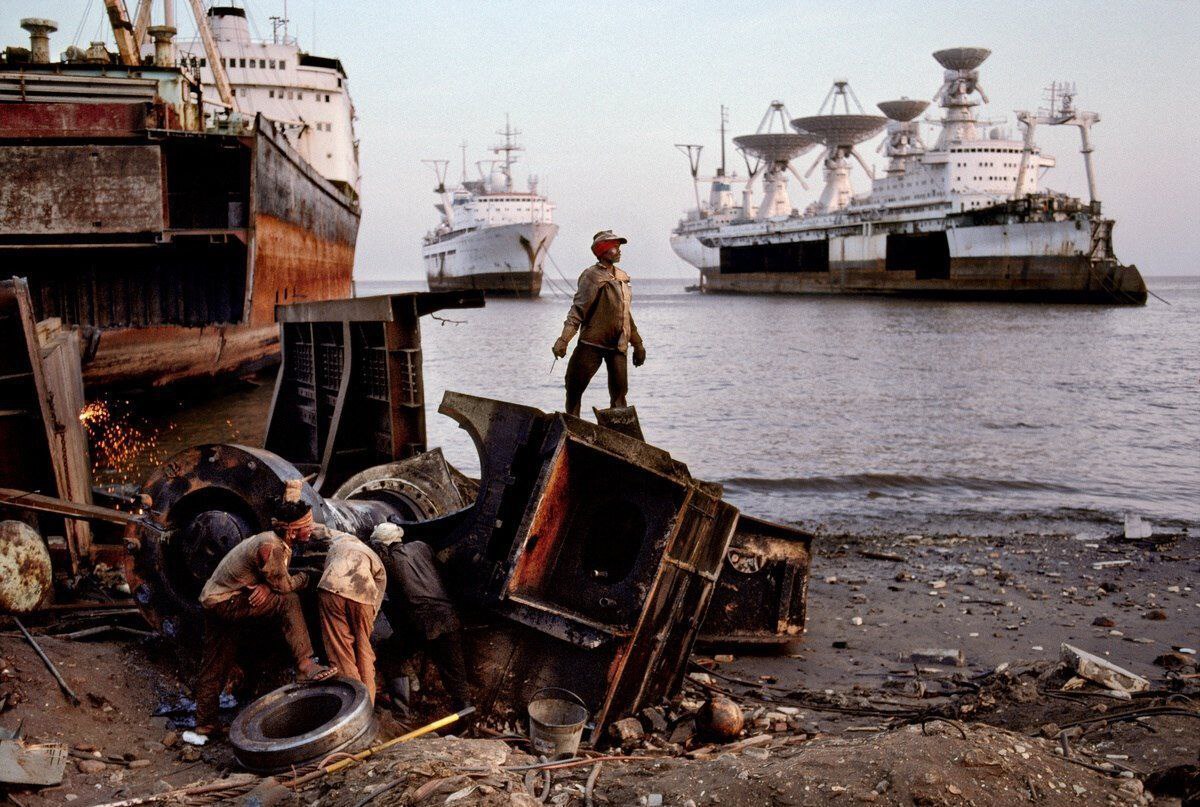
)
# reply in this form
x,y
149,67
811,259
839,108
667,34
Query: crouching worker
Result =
x,y
251,590
417,597
349,595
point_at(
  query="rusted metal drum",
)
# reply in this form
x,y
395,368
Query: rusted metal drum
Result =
x,y
26,576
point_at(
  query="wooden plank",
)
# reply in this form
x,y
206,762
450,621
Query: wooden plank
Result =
x,y
63,378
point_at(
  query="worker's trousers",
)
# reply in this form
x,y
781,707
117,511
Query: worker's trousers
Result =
x,y
585,361
225,625
346,633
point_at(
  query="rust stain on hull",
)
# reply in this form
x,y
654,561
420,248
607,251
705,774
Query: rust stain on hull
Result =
x,y
167,354
294,264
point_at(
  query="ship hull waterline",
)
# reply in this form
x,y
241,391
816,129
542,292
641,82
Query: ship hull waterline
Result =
x,y
500,261
1061,261
1040,280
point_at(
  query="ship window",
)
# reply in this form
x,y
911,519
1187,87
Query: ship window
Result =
x,y
271,93
272,64
326,99
282,64
203,63
299,96
241,62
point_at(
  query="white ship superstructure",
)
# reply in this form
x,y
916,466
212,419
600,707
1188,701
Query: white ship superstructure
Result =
x,y
491,237
965,217
307,96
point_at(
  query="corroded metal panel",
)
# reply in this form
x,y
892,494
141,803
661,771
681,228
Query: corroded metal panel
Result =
x,y
68,190
602,544
67,120
762,594
349,393
293,263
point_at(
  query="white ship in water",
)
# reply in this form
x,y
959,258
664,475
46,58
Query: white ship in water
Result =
x,y
965,218
491,237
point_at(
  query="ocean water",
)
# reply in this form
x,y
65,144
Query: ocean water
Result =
x,y
874,415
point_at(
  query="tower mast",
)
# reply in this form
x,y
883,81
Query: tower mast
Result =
x,y
724,120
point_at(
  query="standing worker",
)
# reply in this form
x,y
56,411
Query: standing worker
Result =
x,y
601,314
349,595
251,589
417,597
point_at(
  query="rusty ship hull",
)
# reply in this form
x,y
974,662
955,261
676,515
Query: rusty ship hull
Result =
x,y
168,247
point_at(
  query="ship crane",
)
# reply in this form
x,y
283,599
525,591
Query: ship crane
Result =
x,y
220,77
440,167
1061,112
692,152
774,151
840,132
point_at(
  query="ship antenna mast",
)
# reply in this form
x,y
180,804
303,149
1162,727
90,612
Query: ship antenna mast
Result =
x,y
508,148
724,120
692,152
463,146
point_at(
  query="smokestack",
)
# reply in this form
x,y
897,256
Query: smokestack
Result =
x,y
164,53
39,38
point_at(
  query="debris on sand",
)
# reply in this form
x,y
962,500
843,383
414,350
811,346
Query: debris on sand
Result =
x,y
1095,669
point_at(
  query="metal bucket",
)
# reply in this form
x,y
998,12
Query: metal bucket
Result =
x,y
556,720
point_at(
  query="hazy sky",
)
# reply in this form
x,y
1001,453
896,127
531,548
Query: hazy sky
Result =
x,y
602,91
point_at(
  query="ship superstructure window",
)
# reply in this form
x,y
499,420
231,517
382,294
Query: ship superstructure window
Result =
x,y
272,64
282,64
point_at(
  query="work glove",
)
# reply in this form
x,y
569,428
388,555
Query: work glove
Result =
x,y
639,355
560,348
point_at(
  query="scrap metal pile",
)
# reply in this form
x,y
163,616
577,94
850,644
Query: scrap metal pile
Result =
x,y
583,556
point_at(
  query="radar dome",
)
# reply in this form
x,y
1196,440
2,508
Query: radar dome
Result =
x,y
961,58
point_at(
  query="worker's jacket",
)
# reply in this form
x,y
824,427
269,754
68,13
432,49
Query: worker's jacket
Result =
x,y
601,310
262,558
416,593
353,571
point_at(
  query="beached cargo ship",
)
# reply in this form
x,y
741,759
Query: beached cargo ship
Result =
x,y
165,211
963,219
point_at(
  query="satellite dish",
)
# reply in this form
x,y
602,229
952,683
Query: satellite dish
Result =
x,y
840,130
903,110
776,147
962,58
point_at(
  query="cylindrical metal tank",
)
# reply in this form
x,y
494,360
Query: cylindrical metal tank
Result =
x,y
25,573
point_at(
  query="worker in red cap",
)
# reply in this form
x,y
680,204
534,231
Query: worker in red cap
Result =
x,y
601,314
